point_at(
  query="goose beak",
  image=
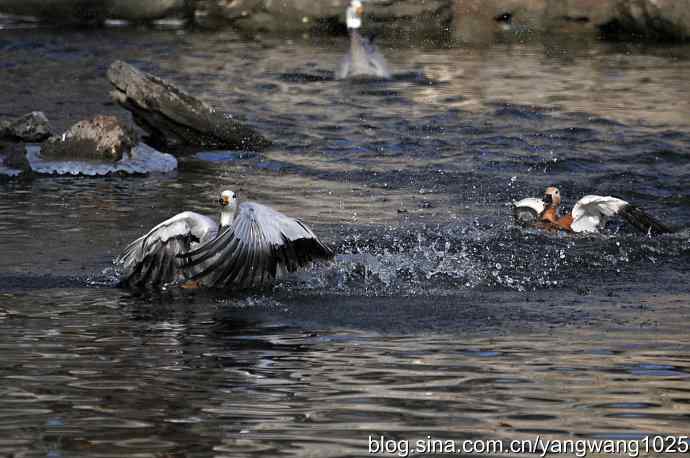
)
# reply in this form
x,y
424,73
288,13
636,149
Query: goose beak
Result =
x,y
548,200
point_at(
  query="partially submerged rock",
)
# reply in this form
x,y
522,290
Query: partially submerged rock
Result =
x,y
15,157
140,160
173,117
77,157
31,127
13,161
100,138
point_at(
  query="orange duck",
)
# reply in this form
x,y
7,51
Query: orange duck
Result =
x,y
589,214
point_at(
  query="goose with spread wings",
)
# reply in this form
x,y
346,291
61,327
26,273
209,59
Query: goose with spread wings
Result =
x,y
589,214
363,58
252,245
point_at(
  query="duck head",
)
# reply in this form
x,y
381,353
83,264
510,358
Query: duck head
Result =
x,y
552,197
354,14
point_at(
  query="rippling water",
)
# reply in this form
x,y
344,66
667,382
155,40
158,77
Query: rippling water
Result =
x,y
438,318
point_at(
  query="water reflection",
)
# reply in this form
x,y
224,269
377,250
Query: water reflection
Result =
x,y
108,374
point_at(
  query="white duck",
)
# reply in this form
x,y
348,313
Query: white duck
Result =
x,y
589,214
252,245
363,58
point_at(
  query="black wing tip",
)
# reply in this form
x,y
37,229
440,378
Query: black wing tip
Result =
x,y
319,251
643,221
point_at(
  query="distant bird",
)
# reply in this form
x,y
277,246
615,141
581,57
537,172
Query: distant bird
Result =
x,y
363,58
252,245
589,214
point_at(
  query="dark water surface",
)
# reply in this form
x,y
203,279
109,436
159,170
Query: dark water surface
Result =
x,y
439,317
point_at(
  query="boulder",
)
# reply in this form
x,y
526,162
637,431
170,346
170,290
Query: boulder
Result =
x,y
90,11
658,19
484,20
173,117
31,127
100,138
381,16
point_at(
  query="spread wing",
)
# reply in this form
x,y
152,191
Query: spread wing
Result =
x,y
251,251
364,59
376,60
153,259
591,213
527,211
344,67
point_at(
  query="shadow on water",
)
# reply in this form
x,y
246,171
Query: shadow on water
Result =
x,y
438,317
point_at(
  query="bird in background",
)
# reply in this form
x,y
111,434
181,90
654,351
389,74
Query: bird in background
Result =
x,y
589,215
363,58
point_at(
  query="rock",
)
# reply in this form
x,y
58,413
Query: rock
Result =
x,y
100,138
13,162
173,117
32,127
148,10
586,14
485,20
140,160
381,16
658,19
89,11
14,156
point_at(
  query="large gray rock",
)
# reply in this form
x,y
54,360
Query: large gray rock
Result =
x,y
90,11
665,19
31,127
173,117
100,138
381,16
485,20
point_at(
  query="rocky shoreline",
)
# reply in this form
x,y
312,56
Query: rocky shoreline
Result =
x,y
103,145
471,21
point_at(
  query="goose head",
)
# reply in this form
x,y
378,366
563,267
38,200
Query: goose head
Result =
x,y
228,207
354,14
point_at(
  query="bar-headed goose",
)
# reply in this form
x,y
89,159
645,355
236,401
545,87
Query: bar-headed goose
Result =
x,y
250,246
363,59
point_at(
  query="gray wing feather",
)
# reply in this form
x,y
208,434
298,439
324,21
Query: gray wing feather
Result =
x,y
376,60
363,59
154,259
344,67
250,252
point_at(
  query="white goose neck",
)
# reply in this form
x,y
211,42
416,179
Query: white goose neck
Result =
x,y
353,21
227,215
